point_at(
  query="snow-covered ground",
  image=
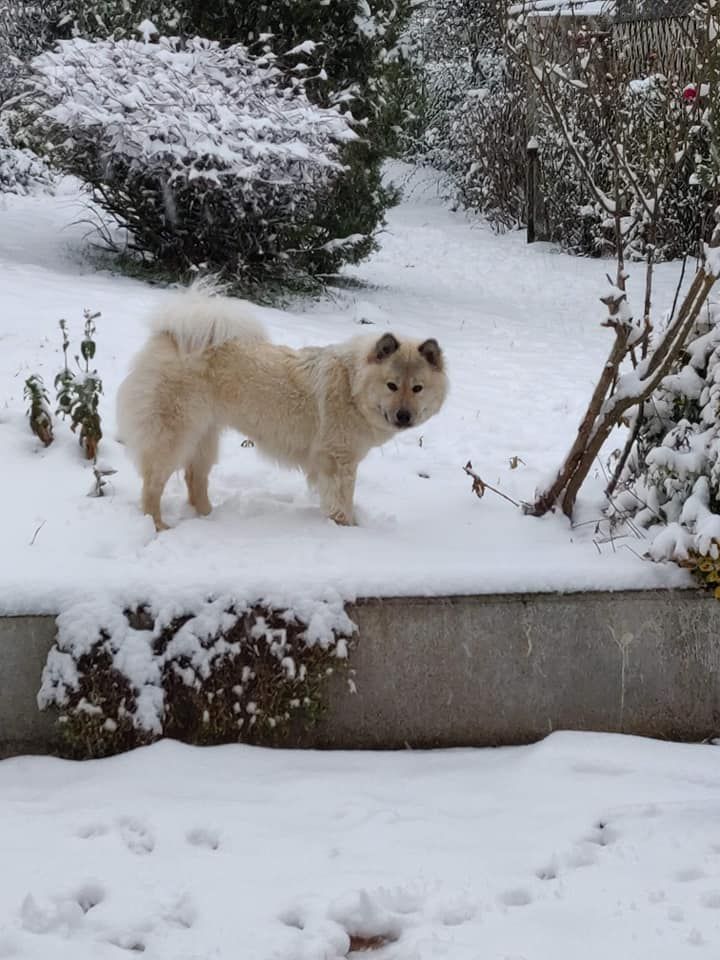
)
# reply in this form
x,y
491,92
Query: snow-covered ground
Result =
x,y
582,846
521,330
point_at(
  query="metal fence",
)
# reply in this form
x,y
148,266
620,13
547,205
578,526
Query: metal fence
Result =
x,y
664,45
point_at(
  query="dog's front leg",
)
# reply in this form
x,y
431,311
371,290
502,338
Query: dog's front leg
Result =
x,y
335,482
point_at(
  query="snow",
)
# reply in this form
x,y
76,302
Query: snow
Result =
x,y
521,329
147,30
712,259
584,845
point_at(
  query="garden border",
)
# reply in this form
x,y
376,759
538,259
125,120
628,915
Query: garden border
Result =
x,y
472,671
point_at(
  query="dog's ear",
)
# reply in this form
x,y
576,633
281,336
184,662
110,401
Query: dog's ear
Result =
x,y
430,349
385,347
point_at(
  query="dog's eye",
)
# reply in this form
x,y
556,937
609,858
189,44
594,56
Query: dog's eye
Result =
x,y
392,386
417,388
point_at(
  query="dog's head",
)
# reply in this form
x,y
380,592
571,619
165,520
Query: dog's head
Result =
x,y
401,383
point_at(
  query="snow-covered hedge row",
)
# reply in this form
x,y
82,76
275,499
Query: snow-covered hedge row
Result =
x,y
212,157
217,671
472,121
650,114
486,145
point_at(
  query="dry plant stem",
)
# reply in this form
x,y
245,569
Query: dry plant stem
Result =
x,y
479,486
649,272
627,449
699,283
678,288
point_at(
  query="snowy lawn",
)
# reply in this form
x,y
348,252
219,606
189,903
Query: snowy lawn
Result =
x,y
521,329
582,846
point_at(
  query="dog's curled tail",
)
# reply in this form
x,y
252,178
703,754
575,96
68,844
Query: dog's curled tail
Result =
x,y
200,317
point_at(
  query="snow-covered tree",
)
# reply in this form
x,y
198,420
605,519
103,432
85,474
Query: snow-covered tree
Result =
x,y
214,158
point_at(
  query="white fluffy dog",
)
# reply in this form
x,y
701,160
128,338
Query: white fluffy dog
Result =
x,y
208,365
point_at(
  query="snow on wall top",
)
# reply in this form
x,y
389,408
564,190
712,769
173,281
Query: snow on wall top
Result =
x,y
550,8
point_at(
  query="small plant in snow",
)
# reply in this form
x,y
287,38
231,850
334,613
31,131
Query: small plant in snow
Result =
x,y
39,413
84,414
65,379
78,394
222,671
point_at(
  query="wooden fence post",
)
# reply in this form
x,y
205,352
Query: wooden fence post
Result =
x,y
532,184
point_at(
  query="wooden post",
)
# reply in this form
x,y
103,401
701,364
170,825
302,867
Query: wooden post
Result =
x,y
532,179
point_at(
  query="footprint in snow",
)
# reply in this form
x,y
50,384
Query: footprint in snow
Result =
x,y
455,914
584,856
516,897
689,875
181,913
203,837
89,895
138,839
89,830
602,835
711,900
128,941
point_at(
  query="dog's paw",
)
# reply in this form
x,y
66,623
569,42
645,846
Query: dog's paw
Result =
x,y
342,519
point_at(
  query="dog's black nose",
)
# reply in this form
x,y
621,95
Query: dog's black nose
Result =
x,y
403,418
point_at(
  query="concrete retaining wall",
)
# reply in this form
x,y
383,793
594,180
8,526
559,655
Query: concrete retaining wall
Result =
x,y
463,671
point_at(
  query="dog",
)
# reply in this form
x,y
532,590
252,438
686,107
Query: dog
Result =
x,y
208,365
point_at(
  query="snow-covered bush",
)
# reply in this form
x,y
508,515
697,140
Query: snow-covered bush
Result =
x,y
27,27
211,156
671,485
21,171
219,671
23,33
350,53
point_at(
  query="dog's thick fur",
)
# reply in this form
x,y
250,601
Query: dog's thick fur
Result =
x,y
208,365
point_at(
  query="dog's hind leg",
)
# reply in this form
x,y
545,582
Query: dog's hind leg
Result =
x,y
155,474
203,458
